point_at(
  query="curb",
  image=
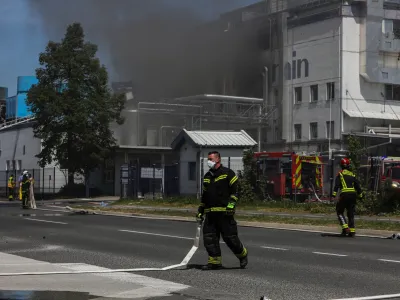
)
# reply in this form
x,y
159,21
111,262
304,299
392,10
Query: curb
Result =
x,y
369,233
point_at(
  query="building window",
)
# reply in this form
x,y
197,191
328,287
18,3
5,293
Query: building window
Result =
x,y
330,129
392,92
23,150
314,93
19,165
298,95
297,132
313,130
330,91
192,171
8,165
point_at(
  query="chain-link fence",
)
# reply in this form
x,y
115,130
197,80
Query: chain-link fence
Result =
x,y
47,181
179,178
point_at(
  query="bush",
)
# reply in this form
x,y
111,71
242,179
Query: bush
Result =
x,y
77,190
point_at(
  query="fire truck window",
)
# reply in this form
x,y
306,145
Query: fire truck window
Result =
x,y
396,173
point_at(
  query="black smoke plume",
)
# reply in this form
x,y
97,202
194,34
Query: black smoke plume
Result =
x,y
165,47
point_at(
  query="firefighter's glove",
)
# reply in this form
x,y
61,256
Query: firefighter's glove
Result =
x,y
230,209
200,214
361,196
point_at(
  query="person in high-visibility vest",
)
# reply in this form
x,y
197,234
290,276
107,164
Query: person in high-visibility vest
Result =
x,y
11,187
350,190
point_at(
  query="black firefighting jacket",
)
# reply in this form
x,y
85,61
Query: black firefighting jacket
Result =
x,y
219,189
347,182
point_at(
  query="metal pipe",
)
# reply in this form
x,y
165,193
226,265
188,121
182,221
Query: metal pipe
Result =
x,y
220,98
168,104
161,131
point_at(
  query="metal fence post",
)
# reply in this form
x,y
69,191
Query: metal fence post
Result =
x,y
54,181
229,162
43,184
153,181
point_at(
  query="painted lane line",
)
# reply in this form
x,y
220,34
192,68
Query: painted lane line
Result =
x,y
331,254
46,221
157,234
184,262
274,248
390,296
390,260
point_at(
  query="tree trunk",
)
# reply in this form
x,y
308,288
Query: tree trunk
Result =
x,y
70,178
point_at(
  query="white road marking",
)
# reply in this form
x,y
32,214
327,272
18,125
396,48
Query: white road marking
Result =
x,y
157,234
390,260
46,221
185,219
331,254
390,296
274,248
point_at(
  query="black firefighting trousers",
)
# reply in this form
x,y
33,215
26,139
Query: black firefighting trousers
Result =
x,y
347,202
216,224
25,195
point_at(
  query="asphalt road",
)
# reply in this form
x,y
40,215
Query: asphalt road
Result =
x,y
282,264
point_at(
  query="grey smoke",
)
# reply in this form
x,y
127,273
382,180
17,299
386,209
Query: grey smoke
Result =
x,y
155,43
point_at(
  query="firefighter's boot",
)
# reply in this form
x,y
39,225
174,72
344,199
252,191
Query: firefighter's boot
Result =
x,y
243,262
345,232
352,233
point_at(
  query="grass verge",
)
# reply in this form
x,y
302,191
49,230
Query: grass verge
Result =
x,y
361,224
271,206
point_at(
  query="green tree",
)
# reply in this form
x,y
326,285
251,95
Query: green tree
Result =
x,y
356,151
73,105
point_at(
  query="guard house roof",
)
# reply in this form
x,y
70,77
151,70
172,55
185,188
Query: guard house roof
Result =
x,y
214,139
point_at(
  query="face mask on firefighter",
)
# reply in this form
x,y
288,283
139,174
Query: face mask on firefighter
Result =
x,y
211,164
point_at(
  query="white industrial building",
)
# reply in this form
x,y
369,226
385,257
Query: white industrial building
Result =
x,y
334,70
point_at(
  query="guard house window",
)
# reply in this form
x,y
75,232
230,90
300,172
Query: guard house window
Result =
x,y
298,95
297,132
314,93
330,91
392,92
192,171
313,130
330,129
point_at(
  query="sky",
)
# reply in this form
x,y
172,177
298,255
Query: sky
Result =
x,y
22,38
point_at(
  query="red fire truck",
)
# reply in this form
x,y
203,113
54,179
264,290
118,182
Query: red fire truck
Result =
x,y
289,174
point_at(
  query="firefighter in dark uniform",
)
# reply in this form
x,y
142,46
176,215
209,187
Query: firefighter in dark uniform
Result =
x,y
25,185
11,188
218,203
350,190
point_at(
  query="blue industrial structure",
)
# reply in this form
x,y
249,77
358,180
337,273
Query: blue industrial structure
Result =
x,y
16,105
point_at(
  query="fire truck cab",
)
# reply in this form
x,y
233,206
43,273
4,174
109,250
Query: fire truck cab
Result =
x,y
390,170
289,174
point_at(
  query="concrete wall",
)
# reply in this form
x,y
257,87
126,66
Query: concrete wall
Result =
x,y
363,91
19,145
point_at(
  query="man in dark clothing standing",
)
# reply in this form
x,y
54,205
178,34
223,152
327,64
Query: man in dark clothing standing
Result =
x,y
350,190
218,203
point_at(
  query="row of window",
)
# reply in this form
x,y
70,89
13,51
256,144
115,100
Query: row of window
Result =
x,y
313,131
314,93
13,165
